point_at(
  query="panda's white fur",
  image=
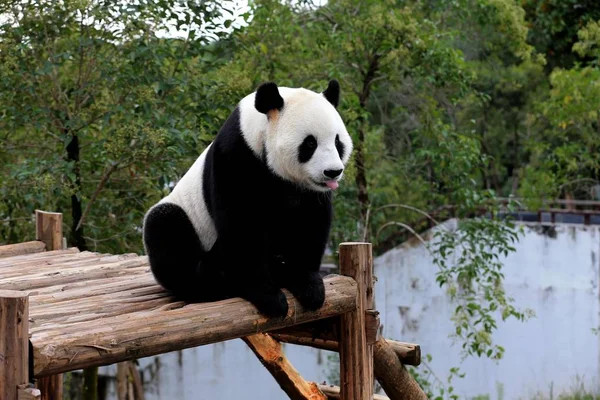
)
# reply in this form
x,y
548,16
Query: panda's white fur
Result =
x,y
253,213
188,195
305,113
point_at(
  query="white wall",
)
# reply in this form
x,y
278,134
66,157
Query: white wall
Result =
x,y
556,275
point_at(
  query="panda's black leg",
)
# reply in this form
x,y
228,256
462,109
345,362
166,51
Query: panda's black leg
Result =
x,y
308,288
177,260
269,301
247,276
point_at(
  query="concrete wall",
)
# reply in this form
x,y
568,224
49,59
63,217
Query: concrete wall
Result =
x,y
554,271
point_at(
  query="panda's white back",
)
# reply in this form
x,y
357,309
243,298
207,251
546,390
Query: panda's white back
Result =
x,y
188,194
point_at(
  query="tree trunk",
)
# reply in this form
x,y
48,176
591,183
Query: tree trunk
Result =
x,y
76,239
361,176
359,147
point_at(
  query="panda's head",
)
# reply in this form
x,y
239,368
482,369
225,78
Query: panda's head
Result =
x,y
306,141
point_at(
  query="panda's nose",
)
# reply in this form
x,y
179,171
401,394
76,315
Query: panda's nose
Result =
x,y
333,173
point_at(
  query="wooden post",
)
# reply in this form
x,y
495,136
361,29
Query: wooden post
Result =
x,y
356,354
48,229
14,343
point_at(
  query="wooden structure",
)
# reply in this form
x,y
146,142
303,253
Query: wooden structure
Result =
x,y
63,310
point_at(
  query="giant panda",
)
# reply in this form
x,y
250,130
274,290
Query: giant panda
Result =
x,y
253,213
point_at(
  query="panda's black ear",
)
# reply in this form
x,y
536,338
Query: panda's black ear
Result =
x,y
267,98
332,93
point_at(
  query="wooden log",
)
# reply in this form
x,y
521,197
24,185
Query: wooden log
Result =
x,y
91,272
11,250
122,380
333,393
271,355
136,381
49,229
14,345
407,353
37,258
100,285
393,377
58,263
62,348
356,355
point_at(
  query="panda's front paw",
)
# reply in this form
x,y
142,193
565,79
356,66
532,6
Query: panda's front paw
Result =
x,y
271,304
310,292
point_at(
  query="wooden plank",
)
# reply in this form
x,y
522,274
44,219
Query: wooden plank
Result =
x,y
11,250
333,393
407,353
14,345
393,377
51,266
356,355
271,355
87,289
35,257
110,340
75,289
75,274
62,315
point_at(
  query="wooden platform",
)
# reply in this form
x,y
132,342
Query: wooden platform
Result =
x,y
63,310
90,309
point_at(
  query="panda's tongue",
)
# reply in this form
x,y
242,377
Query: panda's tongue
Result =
x,y
332,184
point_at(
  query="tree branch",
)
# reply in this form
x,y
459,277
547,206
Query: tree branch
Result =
x,y
103,182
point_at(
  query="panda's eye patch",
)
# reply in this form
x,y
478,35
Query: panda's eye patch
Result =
x,y
339,146
307,148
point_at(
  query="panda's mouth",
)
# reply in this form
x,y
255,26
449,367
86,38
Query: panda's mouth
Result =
x,y
332,184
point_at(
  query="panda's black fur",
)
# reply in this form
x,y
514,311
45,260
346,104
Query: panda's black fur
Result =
x,y
271,233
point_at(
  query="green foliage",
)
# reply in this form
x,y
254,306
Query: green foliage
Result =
x,y
562,154
451,104
554,26
469,261
98,111
434,388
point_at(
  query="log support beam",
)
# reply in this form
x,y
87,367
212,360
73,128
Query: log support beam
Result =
x,y
407,353
271,355
393,377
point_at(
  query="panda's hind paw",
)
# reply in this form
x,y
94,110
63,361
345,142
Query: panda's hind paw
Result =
x,y
272,304
312,294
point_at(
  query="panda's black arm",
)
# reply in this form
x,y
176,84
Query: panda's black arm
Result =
x,y
241,252
304,252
